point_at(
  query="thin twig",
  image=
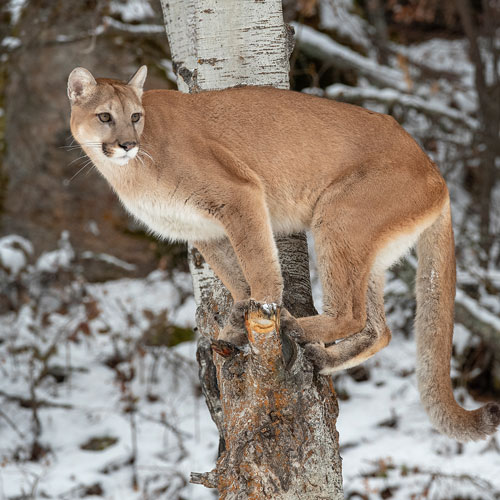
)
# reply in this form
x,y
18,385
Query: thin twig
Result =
x,y
11,423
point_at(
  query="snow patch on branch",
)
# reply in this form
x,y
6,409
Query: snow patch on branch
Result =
x,y
319,45
15,7
476,310
389,96
132,10
110,259
133,28
61,258
338,16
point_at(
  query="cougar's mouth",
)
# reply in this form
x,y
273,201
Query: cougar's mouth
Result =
x,y
119,155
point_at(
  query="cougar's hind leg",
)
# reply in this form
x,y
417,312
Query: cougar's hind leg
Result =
x,y
360,228
342,239
357,348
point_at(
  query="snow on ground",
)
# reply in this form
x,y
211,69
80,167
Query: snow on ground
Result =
x,y
120,416
389,445
14,253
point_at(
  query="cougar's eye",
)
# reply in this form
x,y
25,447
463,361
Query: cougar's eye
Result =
x,y
136,117
104,117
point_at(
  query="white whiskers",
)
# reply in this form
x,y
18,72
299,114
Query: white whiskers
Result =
x,y
76,159
72,146
140,159
144,153
66,182
84,157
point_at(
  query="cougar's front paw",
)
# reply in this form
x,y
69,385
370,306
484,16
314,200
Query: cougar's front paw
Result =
x,y
290,326
318,355
234,331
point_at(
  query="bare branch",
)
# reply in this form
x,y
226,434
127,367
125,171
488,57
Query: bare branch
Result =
x,y
31,403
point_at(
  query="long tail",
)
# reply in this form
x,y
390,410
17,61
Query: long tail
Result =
x,y
434,332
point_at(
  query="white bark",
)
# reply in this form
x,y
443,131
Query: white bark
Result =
x,y
228,43
180,25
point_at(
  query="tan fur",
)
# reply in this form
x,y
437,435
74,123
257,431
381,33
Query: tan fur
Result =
x,y
227,169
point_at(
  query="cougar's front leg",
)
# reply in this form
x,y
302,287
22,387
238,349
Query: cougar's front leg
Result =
x,y
248,227
247,261
220,256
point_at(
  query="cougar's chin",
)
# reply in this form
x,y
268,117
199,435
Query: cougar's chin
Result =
x,y
123,160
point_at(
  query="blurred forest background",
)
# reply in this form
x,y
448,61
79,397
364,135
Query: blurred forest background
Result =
x,y
89,300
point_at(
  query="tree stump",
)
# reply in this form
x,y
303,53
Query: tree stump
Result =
x,y
279,418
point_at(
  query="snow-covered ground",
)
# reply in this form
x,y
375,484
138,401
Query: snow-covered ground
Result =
x,y
390,446
120,416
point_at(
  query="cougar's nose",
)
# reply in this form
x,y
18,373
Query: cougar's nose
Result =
x,y
127,146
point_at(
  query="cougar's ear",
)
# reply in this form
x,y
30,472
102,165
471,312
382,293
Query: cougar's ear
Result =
x,y
81,84
137,81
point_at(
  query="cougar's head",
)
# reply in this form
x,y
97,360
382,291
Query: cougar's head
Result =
x,y
107,117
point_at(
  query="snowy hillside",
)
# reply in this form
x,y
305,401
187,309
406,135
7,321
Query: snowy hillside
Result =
x,y
91,392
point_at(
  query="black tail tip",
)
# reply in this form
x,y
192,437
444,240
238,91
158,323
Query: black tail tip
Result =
x,y
491,417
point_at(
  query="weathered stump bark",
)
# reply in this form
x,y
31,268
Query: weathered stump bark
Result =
x,y
279,419
276,417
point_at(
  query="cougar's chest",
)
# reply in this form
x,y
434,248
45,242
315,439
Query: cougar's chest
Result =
x,y
174,219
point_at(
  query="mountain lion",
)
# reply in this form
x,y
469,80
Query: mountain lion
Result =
x,y
225,170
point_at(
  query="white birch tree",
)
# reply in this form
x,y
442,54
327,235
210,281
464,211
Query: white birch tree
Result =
x,y
286,449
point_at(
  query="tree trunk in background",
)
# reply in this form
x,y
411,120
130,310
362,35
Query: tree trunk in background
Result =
x,y
287,448
376,13
483,52
487,84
